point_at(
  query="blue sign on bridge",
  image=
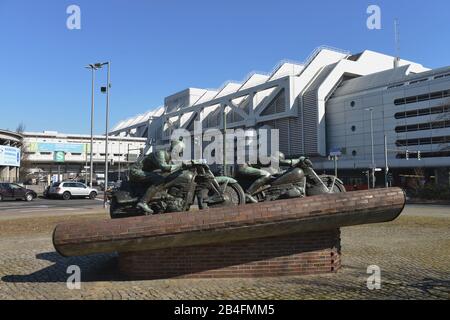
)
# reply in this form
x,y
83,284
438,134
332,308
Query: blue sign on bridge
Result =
x,y
9,156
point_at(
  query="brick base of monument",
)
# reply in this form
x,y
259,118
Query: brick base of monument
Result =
x,y
295,254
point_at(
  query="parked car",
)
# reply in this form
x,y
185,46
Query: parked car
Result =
x,y
15,192
70,189
45,193
111,185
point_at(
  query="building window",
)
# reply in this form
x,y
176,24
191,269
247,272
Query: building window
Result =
x,y
423,126
352,104
423,141
437,154
354,153
422,97
442,76
396,86
353,128
417,81
422,112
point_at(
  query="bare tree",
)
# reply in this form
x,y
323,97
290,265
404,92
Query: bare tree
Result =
x,y
25,164
20,128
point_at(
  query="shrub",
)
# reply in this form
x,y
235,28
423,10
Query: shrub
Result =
x,y
433,192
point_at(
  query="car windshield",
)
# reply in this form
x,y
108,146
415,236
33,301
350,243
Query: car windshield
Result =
x,y
15,186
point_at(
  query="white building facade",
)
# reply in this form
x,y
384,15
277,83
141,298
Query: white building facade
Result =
x,y
322,105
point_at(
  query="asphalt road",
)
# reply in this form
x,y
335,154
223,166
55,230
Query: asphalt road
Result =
x,y
46,207
57,207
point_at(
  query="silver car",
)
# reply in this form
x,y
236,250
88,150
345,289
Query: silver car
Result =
x,y
71,189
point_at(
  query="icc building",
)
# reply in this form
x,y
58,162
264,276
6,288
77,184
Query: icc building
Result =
x,y
334,103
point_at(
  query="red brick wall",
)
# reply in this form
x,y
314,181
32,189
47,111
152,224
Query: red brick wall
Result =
x,y
222,225
297,254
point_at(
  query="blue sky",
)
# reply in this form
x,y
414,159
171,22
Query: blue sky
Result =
x,y
160,47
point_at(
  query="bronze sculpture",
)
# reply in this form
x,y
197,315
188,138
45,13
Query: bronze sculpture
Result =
x,y
298,180
157,184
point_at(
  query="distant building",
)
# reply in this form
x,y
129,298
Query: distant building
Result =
x,y
325,105
49,153
10,155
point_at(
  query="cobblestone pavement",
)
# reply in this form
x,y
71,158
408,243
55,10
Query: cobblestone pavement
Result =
x,y
413,253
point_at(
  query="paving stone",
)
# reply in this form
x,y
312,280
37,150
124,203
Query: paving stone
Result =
x,y
413,254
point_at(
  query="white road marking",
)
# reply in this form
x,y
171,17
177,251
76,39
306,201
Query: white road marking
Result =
x,y
54,209
35,210
22,208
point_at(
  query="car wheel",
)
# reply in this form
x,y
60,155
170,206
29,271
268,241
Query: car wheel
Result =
x,y
29,197
66,195
93,195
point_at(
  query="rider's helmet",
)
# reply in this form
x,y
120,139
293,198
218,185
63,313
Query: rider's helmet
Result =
x,y
277,156
176,149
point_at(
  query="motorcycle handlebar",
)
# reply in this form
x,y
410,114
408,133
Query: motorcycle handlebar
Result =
x,y
194,163
304,163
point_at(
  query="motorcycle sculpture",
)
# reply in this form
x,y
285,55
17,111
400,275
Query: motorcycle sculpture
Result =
x,y
193,182
300,180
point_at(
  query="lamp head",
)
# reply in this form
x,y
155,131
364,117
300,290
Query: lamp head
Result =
x,y
91,66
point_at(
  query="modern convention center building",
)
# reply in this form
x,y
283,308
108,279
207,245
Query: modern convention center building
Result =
x,y
334,104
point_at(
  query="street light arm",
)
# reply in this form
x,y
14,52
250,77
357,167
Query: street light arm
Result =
x,y
101,64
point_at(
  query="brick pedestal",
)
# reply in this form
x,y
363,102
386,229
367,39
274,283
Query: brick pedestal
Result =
x,y
295,254
285,237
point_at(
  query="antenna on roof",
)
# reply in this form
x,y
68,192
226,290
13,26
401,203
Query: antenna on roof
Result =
x,y
397,43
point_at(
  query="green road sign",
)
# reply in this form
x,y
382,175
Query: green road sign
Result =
x,y
59,156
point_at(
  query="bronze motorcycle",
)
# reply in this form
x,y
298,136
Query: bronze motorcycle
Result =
x,y
298,181
194,183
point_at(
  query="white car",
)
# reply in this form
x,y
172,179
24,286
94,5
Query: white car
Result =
x,y
71,189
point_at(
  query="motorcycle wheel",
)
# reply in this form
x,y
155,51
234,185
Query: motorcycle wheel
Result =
x,y
114,209
338,186
234,195
117,210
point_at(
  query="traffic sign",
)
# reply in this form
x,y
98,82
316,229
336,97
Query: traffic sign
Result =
x,y
59,156
335,152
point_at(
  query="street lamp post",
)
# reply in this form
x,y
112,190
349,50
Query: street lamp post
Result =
x,y
372,144
108,85
335,166
120,156
128,160
386,167
105,199
93,69
224,140
334,157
